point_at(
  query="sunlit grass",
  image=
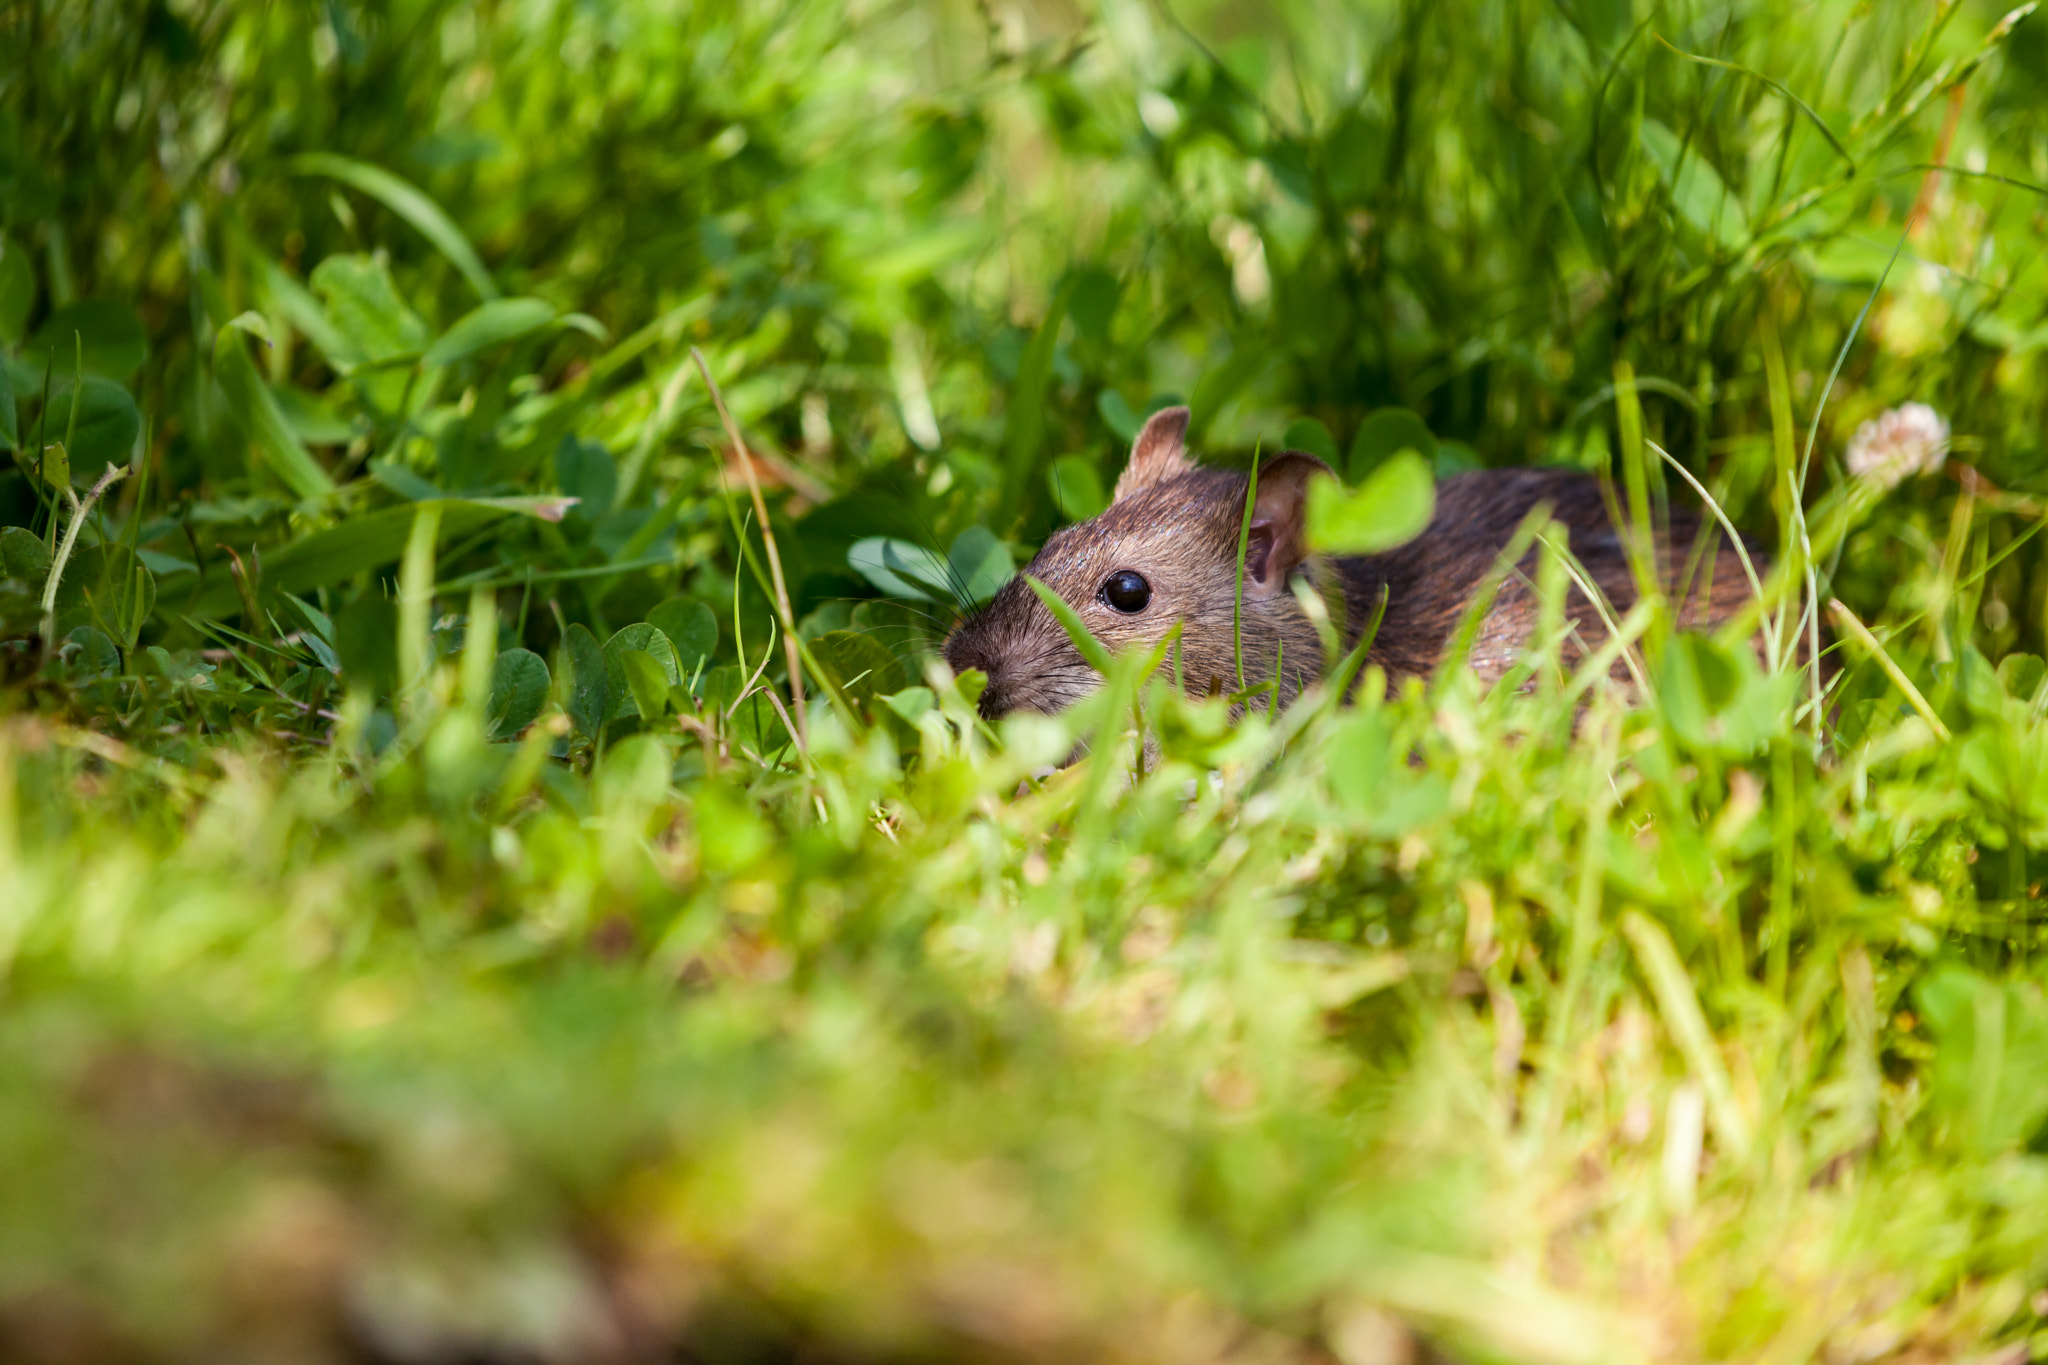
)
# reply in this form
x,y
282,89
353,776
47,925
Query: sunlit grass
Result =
x,y
441,919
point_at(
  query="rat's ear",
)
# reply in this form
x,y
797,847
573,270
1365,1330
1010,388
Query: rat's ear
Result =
x,y
1159,453
1278,537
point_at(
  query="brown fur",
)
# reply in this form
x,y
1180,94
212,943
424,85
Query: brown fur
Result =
x,y
1178,524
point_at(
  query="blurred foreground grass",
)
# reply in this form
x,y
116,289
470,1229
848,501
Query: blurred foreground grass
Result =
x,y
422,937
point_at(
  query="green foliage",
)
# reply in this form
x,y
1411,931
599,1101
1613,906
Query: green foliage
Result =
x,y
1390,508
424,897
1385,434
100,422
641,665
519,692
690,628
1076,485
105,335
591,700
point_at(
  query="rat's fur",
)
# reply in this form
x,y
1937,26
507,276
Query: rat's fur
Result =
x,y
1178,524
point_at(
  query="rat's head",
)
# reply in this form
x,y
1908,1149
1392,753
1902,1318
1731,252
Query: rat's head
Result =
x,y
1165,551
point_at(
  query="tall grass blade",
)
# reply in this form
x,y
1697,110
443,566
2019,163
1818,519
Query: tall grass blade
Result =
x,y
1801,105
408,202
1678,1003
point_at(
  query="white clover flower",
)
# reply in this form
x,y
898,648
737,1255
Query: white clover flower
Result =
x,y
1909,439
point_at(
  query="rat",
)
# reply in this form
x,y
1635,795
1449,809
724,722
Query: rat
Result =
x,y
1165,552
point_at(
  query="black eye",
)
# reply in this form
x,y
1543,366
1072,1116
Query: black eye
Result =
x,y
1126,591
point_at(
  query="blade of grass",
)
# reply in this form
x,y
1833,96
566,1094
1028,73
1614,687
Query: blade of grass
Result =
x,y
1635,473
1091,649
479,649
1244,536
651,433
416,598
1024,416
1583,931
1355,660
409,202
1678,1003
1756,586
1619,645
497,576
62,558
1841,358
1489,588
274,438
1861,633
1809,616
71,424
1801,105
1778,386
789,640
43,487
1604,609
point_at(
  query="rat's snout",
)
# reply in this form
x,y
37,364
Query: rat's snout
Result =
x,y
968,648
1029,662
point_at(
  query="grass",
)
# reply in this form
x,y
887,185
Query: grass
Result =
x,y
441,920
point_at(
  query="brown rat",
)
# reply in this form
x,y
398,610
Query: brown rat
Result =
x,y
1165,551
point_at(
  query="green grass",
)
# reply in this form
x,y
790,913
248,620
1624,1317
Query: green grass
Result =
x,y
422,936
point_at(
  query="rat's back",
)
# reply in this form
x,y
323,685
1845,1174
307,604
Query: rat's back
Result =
x,y
1429,582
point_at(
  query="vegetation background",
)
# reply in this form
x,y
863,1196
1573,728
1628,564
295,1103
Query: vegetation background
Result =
x,y
423,938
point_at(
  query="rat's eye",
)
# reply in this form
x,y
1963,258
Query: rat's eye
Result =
x,y
1128,592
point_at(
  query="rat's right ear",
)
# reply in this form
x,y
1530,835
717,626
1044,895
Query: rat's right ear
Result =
x,y
1159,453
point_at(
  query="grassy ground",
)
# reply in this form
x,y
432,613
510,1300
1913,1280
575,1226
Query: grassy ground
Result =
x,y
422,937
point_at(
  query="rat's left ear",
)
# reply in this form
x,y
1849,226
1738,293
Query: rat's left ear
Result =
x,y
1278,540
1160,453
